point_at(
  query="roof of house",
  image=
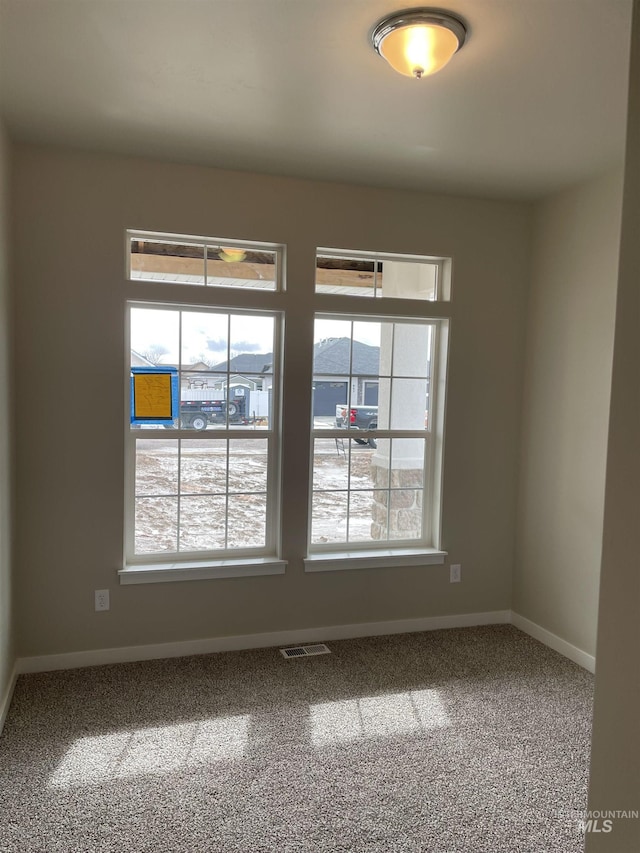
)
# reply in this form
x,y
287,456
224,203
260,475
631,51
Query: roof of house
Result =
x,y
138,360
247,362
332,356
197,365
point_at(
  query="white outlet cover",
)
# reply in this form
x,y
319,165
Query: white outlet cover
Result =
x,y
455,573
102,599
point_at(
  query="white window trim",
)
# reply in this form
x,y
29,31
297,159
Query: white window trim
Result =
x,y
373,559
345,555
202,570
443,267
158,568
206,243
151,568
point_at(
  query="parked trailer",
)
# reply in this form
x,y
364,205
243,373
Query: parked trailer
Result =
x,y
203,406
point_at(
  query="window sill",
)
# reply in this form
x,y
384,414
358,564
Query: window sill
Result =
x,y
392,558
205,570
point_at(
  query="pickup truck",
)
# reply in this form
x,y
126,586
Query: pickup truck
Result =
x,y
358,417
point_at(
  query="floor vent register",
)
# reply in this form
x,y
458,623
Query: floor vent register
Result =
x,y
305,651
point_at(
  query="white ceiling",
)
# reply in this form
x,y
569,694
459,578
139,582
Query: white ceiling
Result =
x,y
534,101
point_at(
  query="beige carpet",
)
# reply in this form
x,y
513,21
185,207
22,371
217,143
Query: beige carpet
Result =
x,y
462,741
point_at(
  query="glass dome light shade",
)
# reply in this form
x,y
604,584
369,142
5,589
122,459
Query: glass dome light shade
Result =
x,y
418,43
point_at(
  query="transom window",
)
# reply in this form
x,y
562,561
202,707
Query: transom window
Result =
x,y
201,261
381,276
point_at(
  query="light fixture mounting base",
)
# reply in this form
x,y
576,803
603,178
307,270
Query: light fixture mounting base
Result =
x,y
422,15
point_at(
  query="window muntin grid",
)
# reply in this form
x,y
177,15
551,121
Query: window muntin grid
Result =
x,y
224,358
194,495
210,492
364,496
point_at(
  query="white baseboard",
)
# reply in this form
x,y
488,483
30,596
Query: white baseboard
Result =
x,y
554,642
73,660
5,700
127,654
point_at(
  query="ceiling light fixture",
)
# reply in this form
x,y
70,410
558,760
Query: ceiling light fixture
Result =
x,y
418,42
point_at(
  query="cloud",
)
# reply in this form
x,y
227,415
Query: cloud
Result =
x,y
246,346
219,345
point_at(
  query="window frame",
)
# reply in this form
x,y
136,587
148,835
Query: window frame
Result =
x,y
443,265
206,243
437,312
175,296
153,568
431,481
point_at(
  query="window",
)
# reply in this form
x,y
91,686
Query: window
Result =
x,y
200,261
204,324
381,275
203,486
378,395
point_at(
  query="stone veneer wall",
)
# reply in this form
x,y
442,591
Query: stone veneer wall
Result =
x,y
404,514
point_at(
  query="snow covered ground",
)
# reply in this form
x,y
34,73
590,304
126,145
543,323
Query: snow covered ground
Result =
x,y
201,474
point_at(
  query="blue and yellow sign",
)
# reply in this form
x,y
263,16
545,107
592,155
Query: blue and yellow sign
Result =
x,y
154,395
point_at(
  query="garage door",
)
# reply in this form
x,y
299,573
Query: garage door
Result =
x,y
328,395
370,393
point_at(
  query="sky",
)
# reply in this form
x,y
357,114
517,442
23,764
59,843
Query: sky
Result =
x,y
206,335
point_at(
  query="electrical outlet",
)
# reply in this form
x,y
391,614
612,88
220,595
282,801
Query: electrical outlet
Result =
x,y
102,599
455,572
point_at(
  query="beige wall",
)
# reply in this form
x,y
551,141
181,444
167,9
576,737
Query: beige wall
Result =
x,y
570,323
615,760
6,615
71,211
